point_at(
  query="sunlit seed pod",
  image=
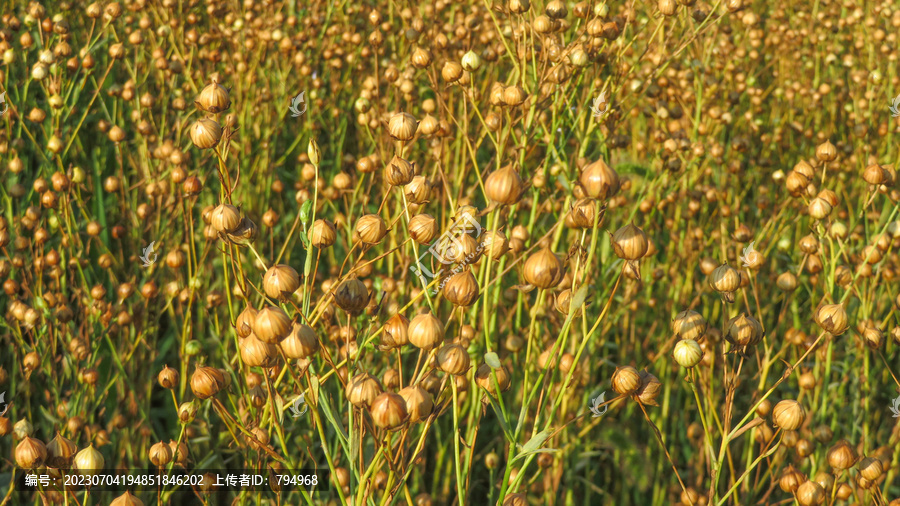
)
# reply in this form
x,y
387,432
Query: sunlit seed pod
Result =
x,y
429,126
810,493
743,331
819,208
371,228
388,411
649,390
160,454
89,460
504,186
363,389
626,380
687,353
544,269
60,452
786,282
225,218
788,414
599,180
514,96
300,343
395,332
518,6
452,359
485,378
826,152
494,244
256,353
281,281
564,304
583,214
423,228
871,468
873,337
402,126
842,456
874,174
451,71
214,98
630,242
30,453
399,172
271,325
425,331
832,318
207,382
791,479
689,324
417,190
471,61
461,289
807,381
352,296
516,499
419,403
322,234
167,378
206,133
244,323
725,280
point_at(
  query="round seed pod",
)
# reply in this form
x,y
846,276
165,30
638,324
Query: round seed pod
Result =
x,y
322,234
786,282
630,243
425,331
514,96
244,324
30,453
388,411
599,180
842,456
649,389
281,281
544,269
516,499
423,228
687,353
126,499
363,389
271,325
689,324
402,126
60,452
484,378
504,186
453,359
791,479
89,460
564,303
788,414
395,332
399,172
225,218
626,380
873,337
451,71
743,330
826,152
206,133
167,378
352,296
417,190
832,318
255,353
461,289
819,208
810,493
371,229
206,382
160,454
725,280
582,214
213,98
419,403
871,468
471,61
300,343
494,244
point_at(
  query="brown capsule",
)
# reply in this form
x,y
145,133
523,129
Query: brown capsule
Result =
x,y
207,382
425,331
281,281
363,389
60,452
832,318
461,289
630,243
256,353
842,456
453,359
788,414
214,98
871,468
271,325
168,378
451,71
402,126
352,296
395,332
648,391
725,280
160,454
504,186
419,403
371,228
494,244
791,479
388,411
583,214
322,234
544,269
743,331
423,228
300,343
484,378
689,324
599,180
399,172
810,493
225,218
826,152
30,453
626,380
206,133
244,324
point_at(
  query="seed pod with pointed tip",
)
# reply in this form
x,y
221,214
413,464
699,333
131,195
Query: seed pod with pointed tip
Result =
x,y
60,452
388,411
630,243
871,468
300,343
842,456
281,281
687,353
206,133
599,180
832,318
89,460
207,382
461,289
725,280
423,228
256,353
214,98
352,296
504,186
417,190
30,453
419,403
160,454
689,324
225,218
810,493
484,377
371,228
244,324
126,499
396,332
626,380
425,331
826,152
399,172
743,331
322,234
583,213
788,414
453,359
544,269
649,389
363,389
402,126
271,325
167,377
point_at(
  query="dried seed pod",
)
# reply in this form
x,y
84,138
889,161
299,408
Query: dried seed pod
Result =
x,y
630,243
743,331
461,289
352,296
514,96
363,389
244,324
725,280
160,454
544,269
167,378
256,353
583,214
213,98
788,414
504,186
451,71
826,152
842,456
484,378
30,453
225,218
689,324
687,353
417,190
819,208
599,180
810,493
423,228
832,318
60,452
271,325
206,133
791,479
425,331
399,172
126,499
207,382
371,228
564,303
281,281
395,332
494,244
300,343
453,359
871,468
402,126
388,411
89,460
419,403
626,380
322,234
649,389
786,282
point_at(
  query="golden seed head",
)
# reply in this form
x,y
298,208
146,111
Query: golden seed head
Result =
x,y
583,213
626,380
484,378
826,152
461,289
399,172
630,243
371,228
244,323
168,378
126,499
842,456
791,479
225,218
689,324
388,411
425,331
544,269
871,468
352,296
396,332
810,493
832,318
206,382
160,454
599,180
363,389
494,244
214,98
60,452
504,186
402,126
649,389
89,460
271,325
281,281
423,228
725,280
453,359
206,133
451,71
300,343
322,234
743,330
788,414
30,453
256,353
419,403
